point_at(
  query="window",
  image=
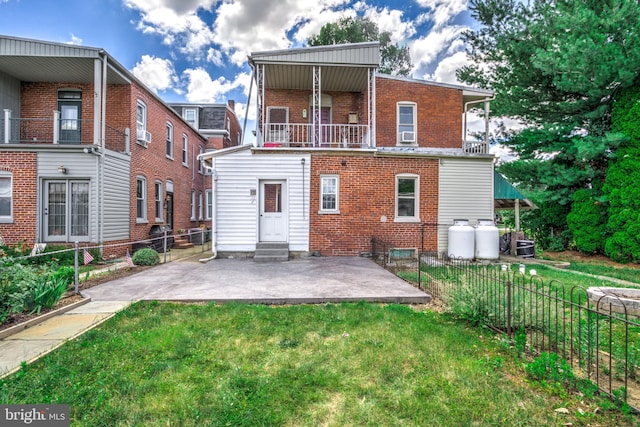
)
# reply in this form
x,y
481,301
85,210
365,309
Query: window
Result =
x,y
209,198
229,125
141,199
169,140
159,201
185,150
142,136
407,123
200,151
329,185
6,197
193,205
200,206
407,191
190,115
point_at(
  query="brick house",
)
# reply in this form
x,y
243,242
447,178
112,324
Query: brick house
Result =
x,y
344,155
87,152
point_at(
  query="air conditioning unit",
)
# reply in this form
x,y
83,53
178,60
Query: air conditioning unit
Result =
x,y
144,137
208,170
407,137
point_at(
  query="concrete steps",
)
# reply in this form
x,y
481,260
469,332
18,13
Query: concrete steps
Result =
x,y
271,252
181,243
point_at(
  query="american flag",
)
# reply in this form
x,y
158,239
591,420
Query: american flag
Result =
x,y
129,261
87,257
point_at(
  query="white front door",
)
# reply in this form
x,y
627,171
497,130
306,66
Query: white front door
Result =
x,y
273,211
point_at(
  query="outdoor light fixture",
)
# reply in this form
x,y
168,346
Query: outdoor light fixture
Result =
x,y
62,170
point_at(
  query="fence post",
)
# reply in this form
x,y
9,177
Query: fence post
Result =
x,y
75,267
164,243
509,284
202,238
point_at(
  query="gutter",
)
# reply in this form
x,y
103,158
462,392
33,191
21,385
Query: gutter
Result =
x,y
486,118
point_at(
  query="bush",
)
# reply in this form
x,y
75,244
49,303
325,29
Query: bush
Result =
x,y
146,256
66,274
587,221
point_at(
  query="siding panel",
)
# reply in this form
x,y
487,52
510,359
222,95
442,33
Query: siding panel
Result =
x,y
237,209
116,198
465,192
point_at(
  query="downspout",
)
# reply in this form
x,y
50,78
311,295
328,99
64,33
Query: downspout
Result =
x,y
214,228
103,114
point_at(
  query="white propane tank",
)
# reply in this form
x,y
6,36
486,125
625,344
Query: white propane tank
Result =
x,y
461,239
487,240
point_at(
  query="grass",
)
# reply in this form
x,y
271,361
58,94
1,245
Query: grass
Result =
x,y
333,365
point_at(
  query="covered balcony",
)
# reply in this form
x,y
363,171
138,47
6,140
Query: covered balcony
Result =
x,y
317,97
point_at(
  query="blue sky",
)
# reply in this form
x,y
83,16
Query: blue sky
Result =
x,y
196,50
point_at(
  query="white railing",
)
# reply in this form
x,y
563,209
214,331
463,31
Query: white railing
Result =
x,y
319,136
475,147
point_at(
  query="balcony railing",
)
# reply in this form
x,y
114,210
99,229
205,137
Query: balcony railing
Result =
x,y
318,136
475,147
55,130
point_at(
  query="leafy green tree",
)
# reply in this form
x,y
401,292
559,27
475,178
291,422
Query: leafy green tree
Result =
x,y
555,67
394,59
622,185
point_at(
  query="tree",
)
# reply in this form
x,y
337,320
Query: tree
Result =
x,y
555,67
621,185
587,221
394,59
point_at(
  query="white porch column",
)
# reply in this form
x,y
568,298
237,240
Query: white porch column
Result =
x,y
97,100
7,125
56,127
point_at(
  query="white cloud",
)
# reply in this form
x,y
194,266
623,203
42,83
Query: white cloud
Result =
x,y
157,73
445,71
391,21
442,11
427,51
202,88
75,40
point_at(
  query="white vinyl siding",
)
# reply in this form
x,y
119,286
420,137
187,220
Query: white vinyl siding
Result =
x,y
465,192
236,215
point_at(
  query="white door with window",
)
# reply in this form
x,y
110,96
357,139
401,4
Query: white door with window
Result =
x,y
66,210
273,211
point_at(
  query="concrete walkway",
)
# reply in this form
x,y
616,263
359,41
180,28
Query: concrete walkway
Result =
x,y
304,280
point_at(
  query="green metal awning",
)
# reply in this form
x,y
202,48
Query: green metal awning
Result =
x,y
505,194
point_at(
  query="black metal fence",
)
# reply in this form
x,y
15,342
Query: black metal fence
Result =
x,y
599,337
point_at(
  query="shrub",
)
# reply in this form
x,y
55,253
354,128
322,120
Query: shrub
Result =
x,y
45,293
587,221
550,367
146,256
67,274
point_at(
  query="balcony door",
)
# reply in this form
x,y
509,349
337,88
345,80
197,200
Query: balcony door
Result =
x,y
322,130
70,108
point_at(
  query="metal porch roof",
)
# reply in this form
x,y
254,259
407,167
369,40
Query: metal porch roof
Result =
x,y
505,194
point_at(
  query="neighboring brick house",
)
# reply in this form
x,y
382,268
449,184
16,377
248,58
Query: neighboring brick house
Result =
x,y
344,155
217,122
87,152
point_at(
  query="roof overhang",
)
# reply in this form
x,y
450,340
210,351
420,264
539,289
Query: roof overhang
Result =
x,y
41,61
342,67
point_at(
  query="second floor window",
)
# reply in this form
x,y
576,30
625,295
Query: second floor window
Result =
x,y
200,165
406,123
185,150
169,140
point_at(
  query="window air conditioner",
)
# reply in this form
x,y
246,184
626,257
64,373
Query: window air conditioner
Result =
x,y
407,137
144,136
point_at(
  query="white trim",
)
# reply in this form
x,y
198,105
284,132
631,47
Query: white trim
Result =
x,y
169,140
158,201
185,150
6,219
142,217
404,129
416,198
335,210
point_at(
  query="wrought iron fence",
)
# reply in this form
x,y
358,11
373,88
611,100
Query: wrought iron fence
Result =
x,y
599,338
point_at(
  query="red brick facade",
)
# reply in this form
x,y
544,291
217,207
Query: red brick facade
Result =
x,y
439,113
152,163
22,166
367,203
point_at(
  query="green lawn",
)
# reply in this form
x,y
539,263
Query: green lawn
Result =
x,y
334,365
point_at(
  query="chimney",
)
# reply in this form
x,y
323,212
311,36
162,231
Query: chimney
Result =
x,y
232,105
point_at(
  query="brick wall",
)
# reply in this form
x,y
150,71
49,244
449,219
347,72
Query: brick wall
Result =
x,y
22,165
343,103
439,113
152,163
367,203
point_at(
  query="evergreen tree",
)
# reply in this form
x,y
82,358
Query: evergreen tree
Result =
x,y
394,59
555,67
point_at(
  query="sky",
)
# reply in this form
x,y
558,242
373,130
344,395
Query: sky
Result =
x,y
196,50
